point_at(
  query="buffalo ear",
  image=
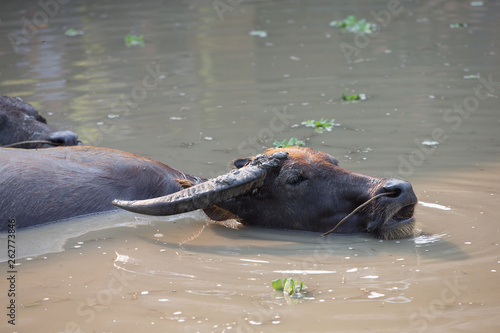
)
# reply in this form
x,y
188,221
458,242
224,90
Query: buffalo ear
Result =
x,y
40,118
184,183
241,162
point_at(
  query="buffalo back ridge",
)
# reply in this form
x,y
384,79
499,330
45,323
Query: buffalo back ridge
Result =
x,y
47,185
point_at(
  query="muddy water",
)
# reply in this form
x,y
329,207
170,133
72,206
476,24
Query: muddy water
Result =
x,y
201,92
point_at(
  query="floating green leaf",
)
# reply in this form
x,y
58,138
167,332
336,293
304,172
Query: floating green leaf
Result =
x,y
321,125
289,286
472,76
458,25
277,285
352,24
353,98
293,142
72,32
133,40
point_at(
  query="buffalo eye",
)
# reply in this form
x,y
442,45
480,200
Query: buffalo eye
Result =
x,y
295,180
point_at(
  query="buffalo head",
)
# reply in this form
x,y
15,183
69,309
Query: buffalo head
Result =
x,y
294,188
21,122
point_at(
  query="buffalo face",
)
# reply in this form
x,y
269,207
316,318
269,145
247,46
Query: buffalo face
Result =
x,y
295,188
20,122
309,191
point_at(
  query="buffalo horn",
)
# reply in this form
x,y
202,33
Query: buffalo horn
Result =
x,y
211,192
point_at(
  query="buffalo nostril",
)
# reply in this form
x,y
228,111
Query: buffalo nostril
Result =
x,y
394,193
64,138
397,188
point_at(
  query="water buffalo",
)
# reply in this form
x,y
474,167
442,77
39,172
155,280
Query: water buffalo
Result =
x,y
288,188
20,122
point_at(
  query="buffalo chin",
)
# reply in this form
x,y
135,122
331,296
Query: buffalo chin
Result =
x,y
399,225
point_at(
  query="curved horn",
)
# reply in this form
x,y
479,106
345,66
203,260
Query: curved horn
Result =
x,y
222,188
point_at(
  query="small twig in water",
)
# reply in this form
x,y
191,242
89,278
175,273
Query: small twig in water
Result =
x,y
357,209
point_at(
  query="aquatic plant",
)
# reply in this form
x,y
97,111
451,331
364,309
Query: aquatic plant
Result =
x,y
72,32
352,24
289,287
320,125
133,40
293,142
352,98
458,25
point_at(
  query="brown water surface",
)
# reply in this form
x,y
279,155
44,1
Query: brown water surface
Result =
x,y
202,91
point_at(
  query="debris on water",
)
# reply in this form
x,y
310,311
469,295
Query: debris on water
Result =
x,y
352,24
477,3
258,33
458,25
472,76
294,58
289,287
353,98
112,116
293,142
321,125
430,143
72,32
133,40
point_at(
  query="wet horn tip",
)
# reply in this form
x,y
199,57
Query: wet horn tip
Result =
x,y
120,203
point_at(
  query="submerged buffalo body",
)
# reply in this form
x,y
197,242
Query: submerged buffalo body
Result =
x,y
20,122
288,188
